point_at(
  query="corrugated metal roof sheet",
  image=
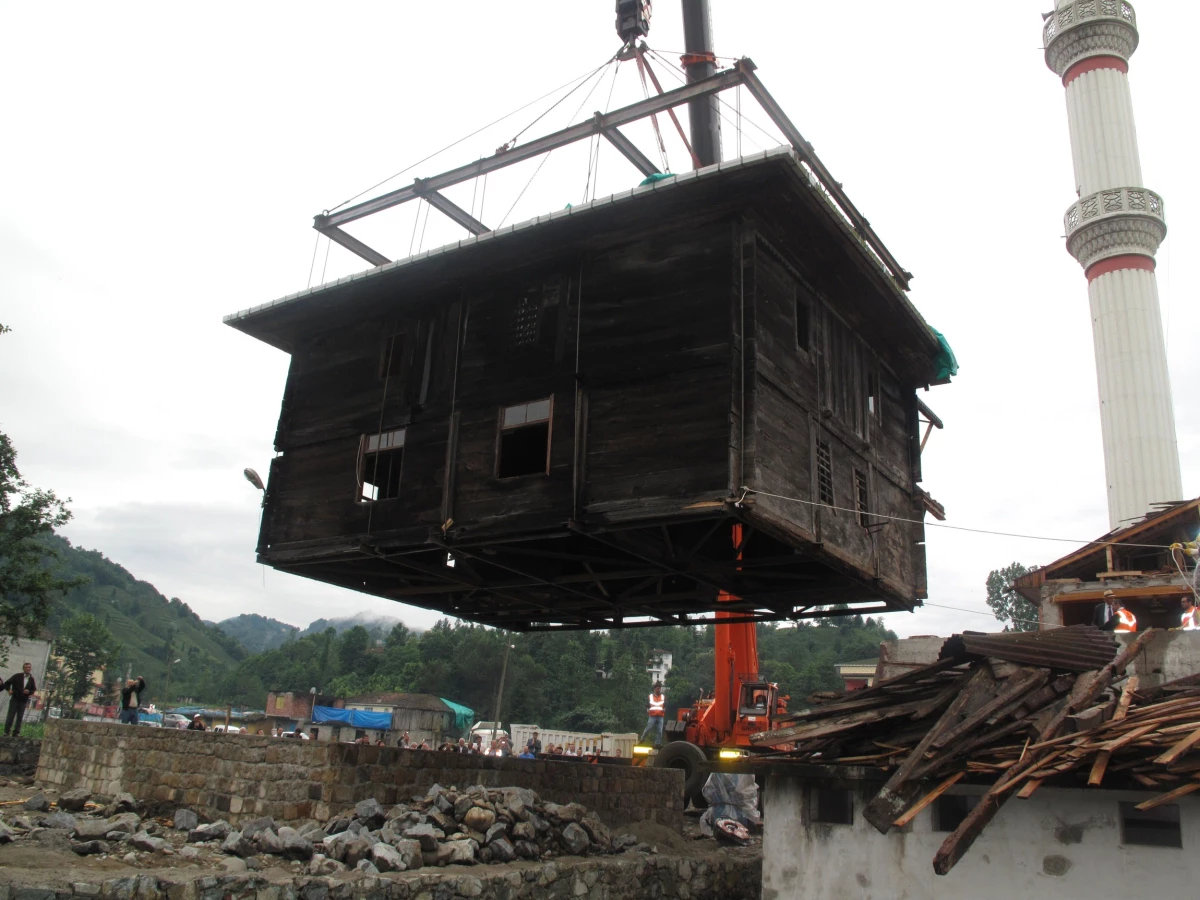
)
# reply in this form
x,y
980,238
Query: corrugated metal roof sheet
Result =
x,y
1076,648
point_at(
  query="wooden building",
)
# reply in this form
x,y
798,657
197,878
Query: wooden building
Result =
x,y
559,424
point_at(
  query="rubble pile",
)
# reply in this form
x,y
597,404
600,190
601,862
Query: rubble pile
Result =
x,y
447,826
1015,710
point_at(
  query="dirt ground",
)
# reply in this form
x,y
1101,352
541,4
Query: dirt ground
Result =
x,y
44,859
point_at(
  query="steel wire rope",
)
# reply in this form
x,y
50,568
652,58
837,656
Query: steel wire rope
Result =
x,y
467,137
553,106
550,152
312,266
325,265
681,77
746,491
594,156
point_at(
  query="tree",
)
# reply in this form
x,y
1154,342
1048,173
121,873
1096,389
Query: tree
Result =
x,y
28,583
84,645
1009,607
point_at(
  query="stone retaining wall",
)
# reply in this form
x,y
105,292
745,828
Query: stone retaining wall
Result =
x,y
718,878
18,756
241,776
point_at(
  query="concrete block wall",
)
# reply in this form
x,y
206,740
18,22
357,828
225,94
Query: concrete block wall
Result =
x,y
243,776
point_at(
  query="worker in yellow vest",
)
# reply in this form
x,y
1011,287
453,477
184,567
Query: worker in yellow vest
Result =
x,y
1121,620
1191,616
655,715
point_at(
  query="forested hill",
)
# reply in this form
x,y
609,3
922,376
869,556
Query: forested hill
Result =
x,y
258,633
591,681
150,628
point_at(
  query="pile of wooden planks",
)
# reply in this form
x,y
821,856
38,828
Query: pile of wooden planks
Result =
x,y
989,719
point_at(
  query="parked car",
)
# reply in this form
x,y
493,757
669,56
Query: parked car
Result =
x,y
231,729
292,734
175,720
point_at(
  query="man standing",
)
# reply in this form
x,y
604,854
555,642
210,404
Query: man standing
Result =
x,y
656,715
20,688
129,699
1191,615
1121,620
533,745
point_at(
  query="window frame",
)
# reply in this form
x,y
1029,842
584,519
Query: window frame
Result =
x,y
862,496
502,427
364,451
824,460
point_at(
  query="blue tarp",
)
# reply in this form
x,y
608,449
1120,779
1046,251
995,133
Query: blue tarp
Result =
x,y
357,718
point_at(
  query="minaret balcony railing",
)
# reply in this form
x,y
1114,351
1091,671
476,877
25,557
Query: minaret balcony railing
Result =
x,y
1088,28
1115,221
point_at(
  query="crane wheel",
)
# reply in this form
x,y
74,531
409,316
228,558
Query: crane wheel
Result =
x,y
691,760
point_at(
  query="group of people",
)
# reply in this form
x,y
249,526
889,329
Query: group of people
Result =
x,y
1113,615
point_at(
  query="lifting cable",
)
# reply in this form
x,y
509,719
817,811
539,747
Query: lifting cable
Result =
x,y
662,147
671,111
1032,537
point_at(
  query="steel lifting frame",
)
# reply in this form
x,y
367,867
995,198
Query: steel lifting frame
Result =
x,y
608,125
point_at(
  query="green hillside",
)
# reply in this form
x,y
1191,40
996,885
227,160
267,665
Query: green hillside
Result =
x,y
258,633
150,628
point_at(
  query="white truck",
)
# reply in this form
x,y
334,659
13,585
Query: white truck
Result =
x,y
585,744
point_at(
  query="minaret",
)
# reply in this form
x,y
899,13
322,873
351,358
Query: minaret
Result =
x,y
1113,230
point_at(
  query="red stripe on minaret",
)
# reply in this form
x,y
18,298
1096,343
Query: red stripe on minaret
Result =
x,y
1116,263
1091,64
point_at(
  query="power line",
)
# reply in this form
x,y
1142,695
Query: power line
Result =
x,y
1032,537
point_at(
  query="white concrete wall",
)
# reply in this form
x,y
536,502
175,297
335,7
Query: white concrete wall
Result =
x,y
1058,845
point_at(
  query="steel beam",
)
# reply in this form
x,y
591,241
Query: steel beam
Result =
x,y
354,245
834,189
630,151
599,124
441,203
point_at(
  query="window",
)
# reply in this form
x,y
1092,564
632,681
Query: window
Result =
x,y
382,458
831,806
392,365
1158,827
862,498
824,473
873,395
803,321
950,809
845,393
524,439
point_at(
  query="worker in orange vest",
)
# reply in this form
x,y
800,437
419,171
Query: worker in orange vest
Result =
x,y
1121,620
1191,616
655,715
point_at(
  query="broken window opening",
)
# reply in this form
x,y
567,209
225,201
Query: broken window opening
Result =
x,y
824,473
950,809
873,395
524,447
381,462
862,498
831,806
803,322
1157,827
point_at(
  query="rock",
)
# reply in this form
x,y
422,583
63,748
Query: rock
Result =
x,y
386,858
479,819
6,834
117,837
410,852
59,820
370,813
37,803
468,886
186,820
597,831
540,825
443,805
524,831
123,802
254,827
74,801
214,831
337,825
232,864
334,845
94,829
365,865
236,844
574,839
143,841
527,850
130,858
268,842
623,842
498,830
524,796
188,853
84,889
462,853
502,850
443,821
357,849
87,848
426,834
434,792
323,865
461,805
312,831
294,845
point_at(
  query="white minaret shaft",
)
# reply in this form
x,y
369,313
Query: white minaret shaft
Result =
x,y
1114,230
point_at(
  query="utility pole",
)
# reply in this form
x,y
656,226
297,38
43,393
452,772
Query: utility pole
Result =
x,y
699,63
500,690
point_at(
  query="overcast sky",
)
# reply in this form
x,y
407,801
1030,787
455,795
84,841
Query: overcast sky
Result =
x,y
162,164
